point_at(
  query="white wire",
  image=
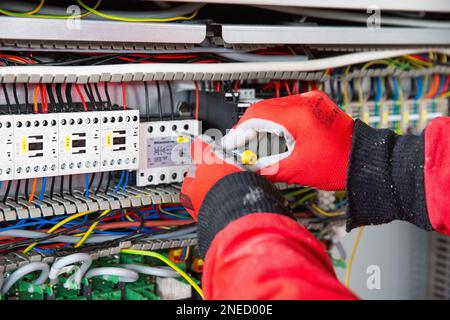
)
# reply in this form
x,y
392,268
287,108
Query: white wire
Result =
x,y
198,70
85,261
25,270
125,275
152,271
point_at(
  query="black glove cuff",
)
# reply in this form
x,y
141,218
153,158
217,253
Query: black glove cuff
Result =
x,y
385,178
232,197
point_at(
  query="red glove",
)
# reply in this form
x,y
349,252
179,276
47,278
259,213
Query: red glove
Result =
x,y
318,137
208,168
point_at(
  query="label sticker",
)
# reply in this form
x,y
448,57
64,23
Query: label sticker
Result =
x,y
68,143
109,140
166,152
24,145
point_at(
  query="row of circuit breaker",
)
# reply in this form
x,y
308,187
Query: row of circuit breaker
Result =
x,y
51,144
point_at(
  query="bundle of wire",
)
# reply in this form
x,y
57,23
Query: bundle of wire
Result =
x,y
92,230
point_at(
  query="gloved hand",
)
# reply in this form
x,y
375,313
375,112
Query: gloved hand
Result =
x,y
318,137
208,168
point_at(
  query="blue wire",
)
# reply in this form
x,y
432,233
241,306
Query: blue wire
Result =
x,y
86,181
44,183
441,85
126,181
419,93
122,176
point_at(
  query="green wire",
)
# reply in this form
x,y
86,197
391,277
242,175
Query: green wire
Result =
x,y
294,193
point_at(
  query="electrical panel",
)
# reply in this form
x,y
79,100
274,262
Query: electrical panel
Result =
x,y
165,152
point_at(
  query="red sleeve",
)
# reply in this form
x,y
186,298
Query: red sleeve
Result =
x,y
437,173
269,256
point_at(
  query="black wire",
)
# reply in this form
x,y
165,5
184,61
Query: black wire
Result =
x,y
52,187
91,181
16,98
61,187
8,188
100,182
51,97
99,97
137,230
27,102
69,97
13,246
77,61
115,242
88,92
16,195
27,182
59,96
8,103
108,98
172,104
147,102
109,182
70,185
158,90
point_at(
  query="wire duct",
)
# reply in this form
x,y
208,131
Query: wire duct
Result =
x,y
196,70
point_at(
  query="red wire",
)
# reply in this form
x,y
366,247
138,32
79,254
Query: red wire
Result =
x,y
124,95
197,100
286,86
83,102
236,86
277,88
295,87
44,88
41,95
446,84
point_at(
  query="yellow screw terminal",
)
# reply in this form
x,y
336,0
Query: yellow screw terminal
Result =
x,y
248,157
175,255
182,139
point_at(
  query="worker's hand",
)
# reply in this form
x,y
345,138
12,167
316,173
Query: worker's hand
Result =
x,y
318,137
208,168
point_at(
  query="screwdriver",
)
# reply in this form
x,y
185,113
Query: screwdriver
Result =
x,y
247,157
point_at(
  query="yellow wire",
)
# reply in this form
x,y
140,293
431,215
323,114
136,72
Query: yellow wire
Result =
x,y
56,226
169,263
91,229
446,95
47,16
39,7
360,93
126,19
323,212
350,260
374,62
347,70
